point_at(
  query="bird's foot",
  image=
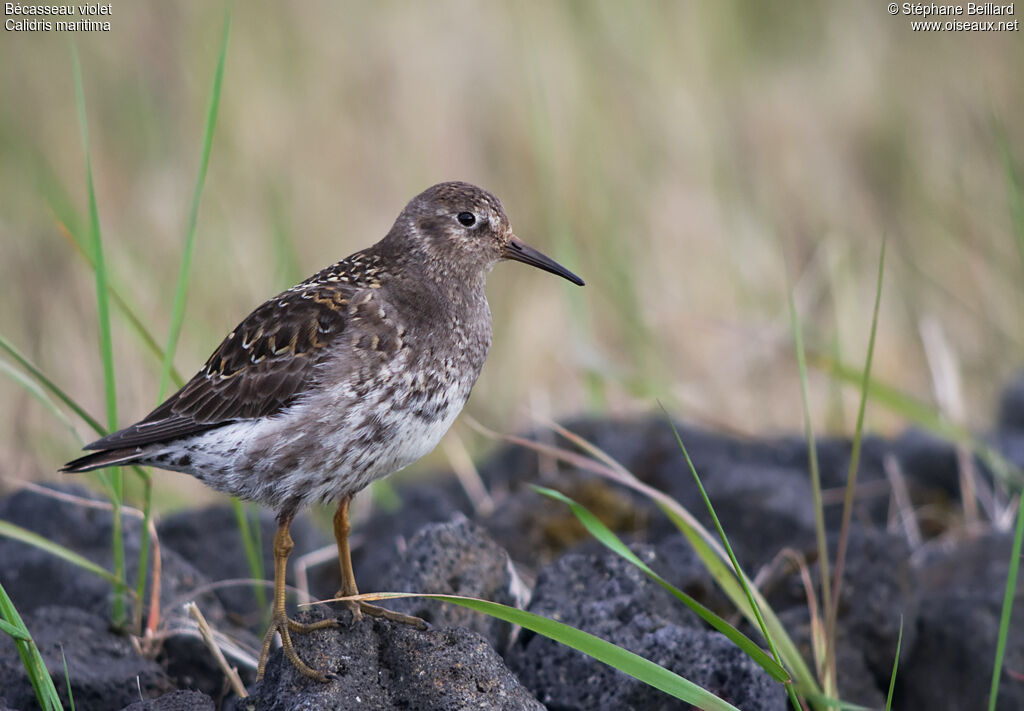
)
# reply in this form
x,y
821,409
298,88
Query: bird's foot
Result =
x,y
284,626
358,608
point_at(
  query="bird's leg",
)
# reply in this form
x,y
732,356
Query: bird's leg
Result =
x,y
341,531
348,578
280,623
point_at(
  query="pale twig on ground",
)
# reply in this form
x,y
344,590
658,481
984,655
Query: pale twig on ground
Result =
x,y
942,363
466,472
207,634
901,496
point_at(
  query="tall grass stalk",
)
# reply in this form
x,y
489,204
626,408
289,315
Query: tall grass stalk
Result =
x,y
1016,198
114,476
895,667
1014,194
827,675
832,610
1008,598
185,269
40,395
50,386
147,338
67,678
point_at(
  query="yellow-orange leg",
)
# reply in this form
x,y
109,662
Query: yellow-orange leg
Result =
x,y
348,578
280,623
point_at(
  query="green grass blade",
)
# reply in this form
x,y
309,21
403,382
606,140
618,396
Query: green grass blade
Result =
x,y
11,631
740,575
826,676
185,270
116,481
1015,195
614,656
18,533
96,250
143,563
52,387
1008,597
832,610
895,666
67,678
35,667
606,537
49,386
147,338
33,388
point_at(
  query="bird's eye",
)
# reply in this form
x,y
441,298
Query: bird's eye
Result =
x,y
466,218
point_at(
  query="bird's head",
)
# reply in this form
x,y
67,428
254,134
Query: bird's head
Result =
x,y
464,230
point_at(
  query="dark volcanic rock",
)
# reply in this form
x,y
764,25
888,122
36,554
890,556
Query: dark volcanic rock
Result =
x,y
458,558
878,593
762,509
605,587
381,665
105,671
1011,405
610,598
1011,444
928,463
961,600
175,701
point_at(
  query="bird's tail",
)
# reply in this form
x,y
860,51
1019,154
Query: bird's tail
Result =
x,y
106,458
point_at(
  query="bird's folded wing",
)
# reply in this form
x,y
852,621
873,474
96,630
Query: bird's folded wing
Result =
x,y
258,370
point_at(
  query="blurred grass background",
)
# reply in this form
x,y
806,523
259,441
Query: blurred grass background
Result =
x,y
676,155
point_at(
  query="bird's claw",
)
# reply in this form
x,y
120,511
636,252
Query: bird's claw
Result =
x,y
284,626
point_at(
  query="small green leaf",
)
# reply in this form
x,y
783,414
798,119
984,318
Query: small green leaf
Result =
x,y
14,631
31,660
34,539
1008,597
895,666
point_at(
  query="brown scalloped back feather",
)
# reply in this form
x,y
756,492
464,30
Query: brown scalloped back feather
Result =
x,y
262,366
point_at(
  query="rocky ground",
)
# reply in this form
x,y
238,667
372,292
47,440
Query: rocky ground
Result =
x,y
946,588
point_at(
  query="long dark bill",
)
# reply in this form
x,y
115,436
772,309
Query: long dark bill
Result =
x,y
519,251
